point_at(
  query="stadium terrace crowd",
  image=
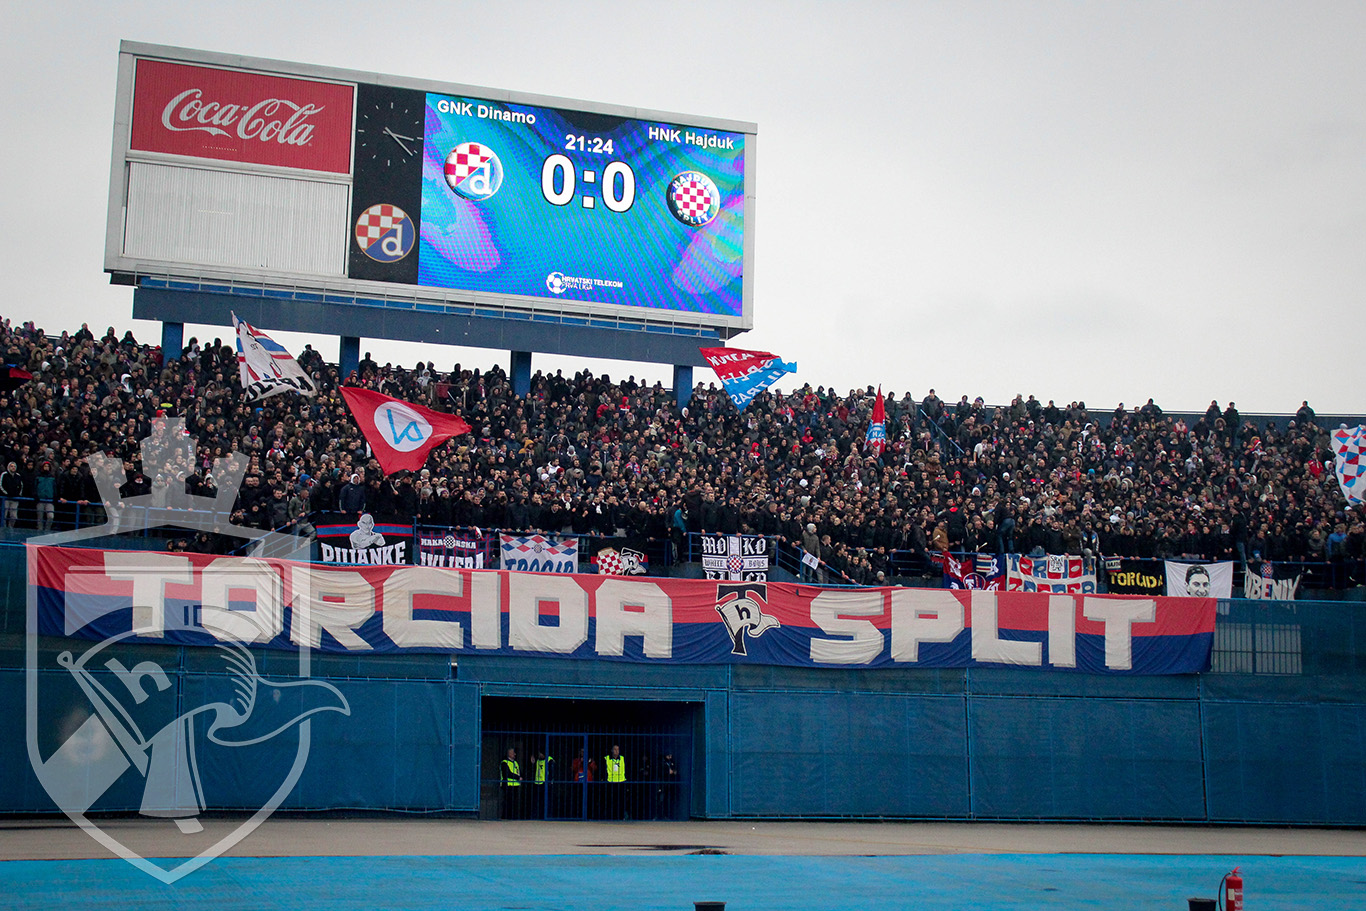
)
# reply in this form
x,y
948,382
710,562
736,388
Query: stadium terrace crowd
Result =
x,y
591,455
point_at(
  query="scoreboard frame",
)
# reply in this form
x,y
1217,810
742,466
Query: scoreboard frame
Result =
x,y
332,299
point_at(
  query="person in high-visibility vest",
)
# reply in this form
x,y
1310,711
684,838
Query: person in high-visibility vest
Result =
x,y
542,775
512,785
615,765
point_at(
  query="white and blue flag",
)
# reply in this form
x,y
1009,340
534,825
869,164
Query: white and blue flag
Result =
x,y
265,366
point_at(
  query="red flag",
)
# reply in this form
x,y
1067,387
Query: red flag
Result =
x,y
400,435
877,428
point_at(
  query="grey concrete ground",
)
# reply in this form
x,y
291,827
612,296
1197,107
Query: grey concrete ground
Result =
x,y
295,837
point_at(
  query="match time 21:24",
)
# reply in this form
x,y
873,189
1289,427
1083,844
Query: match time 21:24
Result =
x,y
595,144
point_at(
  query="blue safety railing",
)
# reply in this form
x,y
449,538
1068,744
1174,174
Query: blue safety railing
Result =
x,y
159,526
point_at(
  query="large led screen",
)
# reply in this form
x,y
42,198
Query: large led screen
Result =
x,y
574,206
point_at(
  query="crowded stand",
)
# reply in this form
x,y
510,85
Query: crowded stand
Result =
x,y
595,456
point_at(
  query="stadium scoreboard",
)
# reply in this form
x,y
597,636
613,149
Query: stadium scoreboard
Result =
x,y
231,172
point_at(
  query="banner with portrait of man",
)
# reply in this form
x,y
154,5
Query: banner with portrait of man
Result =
x,y
1199,580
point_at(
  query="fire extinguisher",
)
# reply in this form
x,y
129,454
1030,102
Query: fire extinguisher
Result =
x,y
1231,891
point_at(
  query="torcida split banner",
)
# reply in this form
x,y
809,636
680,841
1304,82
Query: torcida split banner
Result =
x,y
192,599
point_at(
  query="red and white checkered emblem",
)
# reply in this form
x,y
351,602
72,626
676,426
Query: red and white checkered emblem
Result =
x,y
464,160
473,171
377,221
385,233
609,562
736,564
693,198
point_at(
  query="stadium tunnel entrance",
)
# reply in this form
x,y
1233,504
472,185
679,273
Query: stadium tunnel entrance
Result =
x,y
564,757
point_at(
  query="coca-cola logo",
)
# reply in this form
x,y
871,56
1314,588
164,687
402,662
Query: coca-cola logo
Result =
x,y
242,116
268,120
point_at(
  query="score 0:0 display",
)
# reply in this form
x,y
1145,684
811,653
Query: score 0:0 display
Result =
x,y
559,171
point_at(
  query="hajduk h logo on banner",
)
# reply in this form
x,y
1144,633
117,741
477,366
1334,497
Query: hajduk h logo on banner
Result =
x,y
744,373
400,435
265,366
877,427
1348,444
614,557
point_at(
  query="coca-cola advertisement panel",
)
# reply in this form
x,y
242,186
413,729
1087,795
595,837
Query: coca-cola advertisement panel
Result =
x,y
231,115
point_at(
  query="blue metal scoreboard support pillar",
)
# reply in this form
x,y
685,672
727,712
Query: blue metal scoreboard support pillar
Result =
x,y
172,341
682,384
521,373
352,323
348,357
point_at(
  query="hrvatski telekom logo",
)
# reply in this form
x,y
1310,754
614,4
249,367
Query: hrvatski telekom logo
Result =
x,y
241,116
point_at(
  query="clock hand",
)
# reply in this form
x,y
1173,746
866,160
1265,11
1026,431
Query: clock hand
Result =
x,y
399,139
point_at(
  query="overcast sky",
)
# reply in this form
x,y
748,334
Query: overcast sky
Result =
x,y
1104,201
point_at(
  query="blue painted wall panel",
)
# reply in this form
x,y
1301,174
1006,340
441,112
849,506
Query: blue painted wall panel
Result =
x,y
715,799
19,787
1085,758
1006,681
392,751
841,754
1286,763
465,745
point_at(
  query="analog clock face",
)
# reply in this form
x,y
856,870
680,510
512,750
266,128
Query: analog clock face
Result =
x,y
389,133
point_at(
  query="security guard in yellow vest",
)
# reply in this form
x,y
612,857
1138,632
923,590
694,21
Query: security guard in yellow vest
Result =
x,y
616,783
542,775
512,786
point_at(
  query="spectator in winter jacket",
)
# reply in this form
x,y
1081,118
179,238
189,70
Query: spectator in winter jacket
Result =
x,y
11,489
